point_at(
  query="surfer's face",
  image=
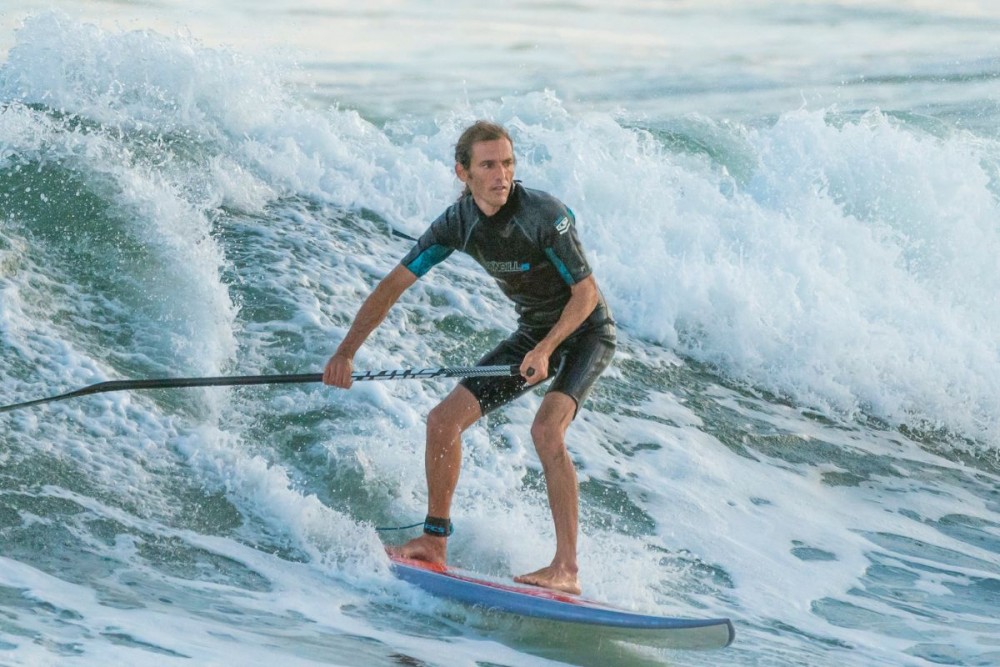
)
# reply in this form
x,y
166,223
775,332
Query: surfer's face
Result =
x,y
490,174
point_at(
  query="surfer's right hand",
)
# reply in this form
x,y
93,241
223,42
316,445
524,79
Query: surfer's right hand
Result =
x,y
338,371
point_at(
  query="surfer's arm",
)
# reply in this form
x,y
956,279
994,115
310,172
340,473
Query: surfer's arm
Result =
x,y
340,366
582,301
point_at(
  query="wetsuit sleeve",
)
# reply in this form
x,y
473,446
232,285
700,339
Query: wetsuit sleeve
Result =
x,y
435,245
562,247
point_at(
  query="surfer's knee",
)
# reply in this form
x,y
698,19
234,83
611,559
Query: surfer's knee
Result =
x,y
440,420
548,430
454,414
445,419
549,439
544,432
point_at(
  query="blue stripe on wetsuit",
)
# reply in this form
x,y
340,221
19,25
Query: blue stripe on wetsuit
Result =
x,y
560,266
428,258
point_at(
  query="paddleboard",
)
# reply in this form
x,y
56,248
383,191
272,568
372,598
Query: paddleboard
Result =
x,y
493,593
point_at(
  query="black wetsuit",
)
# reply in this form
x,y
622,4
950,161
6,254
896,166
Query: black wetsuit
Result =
x,y
530,247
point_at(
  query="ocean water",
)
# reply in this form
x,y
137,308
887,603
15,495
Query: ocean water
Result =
x,y
792,207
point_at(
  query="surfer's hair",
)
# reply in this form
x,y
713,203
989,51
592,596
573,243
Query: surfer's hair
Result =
x,y
481,130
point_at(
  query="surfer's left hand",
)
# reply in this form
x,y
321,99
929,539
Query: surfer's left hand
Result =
x,y
535,366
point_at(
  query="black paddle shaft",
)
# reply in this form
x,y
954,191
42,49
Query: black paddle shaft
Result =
x,y
237,380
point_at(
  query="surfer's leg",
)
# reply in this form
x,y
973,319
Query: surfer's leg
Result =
x,y
442,463
549,434
443,456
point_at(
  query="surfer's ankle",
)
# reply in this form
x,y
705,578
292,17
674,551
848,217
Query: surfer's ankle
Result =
x,y
568,567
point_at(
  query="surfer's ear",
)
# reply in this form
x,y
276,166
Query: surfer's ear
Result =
x,y
463,175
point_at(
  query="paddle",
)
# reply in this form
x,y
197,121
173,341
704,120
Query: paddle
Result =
x,y
166,383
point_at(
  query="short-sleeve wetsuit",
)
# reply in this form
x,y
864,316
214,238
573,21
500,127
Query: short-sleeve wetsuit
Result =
x,y
530,247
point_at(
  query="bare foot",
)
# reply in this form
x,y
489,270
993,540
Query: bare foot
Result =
x,y
426,547
555,577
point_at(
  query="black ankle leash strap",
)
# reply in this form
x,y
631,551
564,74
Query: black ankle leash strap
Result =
x,y
438,527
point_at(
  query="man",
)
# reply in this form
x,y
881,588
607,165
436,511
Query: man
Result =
x,y
525,239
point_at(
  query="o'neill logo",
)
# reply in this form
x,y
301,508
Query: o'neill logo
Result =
x,y
506,267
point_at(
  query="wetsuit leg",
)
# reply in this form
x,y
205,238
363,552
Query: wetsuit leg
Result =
x,y
574,367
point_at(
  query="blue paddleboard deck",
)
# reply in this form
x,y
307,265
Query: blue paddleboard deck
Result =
x,y
504,595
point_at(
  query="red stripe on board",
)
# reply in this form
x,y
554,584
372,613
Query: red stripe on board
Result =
x,y
523,589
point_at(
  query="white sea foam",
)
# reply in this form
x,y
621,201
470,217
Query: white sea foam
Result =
x,y
852,268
